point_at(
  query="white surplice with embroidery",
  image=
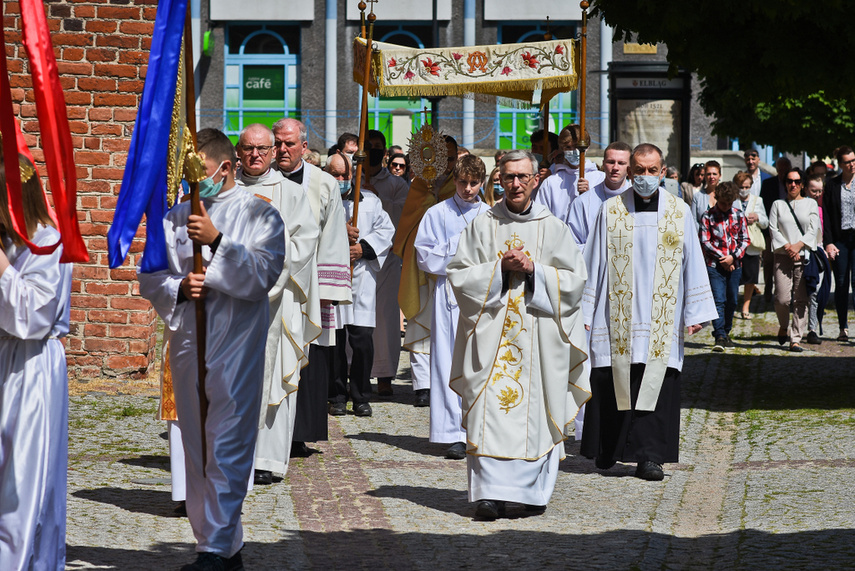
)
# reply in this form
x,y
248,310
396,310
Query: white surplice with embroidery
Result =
x,y
694,301
294,322
34,316
517,356
436,243
376,229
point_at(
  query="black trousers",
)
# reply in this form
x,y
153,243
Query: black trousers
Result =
x,y
361,342
310,423
632,435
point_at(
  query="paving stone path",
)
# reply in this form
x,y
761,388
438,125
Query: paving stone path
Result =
x,y
766,479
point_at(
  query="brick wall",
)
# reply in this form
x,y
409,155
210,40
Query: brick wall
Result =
x,y
101,49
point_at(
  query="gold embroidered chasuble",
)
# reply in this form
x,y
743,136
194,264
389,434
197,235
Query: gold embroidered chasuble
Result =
x,y
666,279
518,354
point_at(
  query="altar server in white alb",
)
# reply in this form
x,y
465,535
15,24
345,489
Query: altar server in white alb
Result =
x,y
584,210
370,238
560,189
436,243
518,279
647,284
34,311
244,251
294,322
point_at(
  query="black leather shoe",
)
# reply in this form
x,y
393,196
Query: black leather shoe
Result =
x,y
782,339
181,509
604,463
300,450
262,478
535,510
648,470
813,338
235,562
489,509
422,397
362,409
207,562
456,451
338,409
384,387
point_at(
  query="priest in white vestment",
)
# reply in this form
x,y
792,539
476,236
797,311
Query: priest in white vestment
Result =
x,y
392,192
35,291
244,251
647,284
333,279
292,327
560,189
436,243
518,278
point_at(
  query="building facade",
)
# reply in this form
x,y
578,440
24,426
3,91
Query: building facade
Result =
x,y
259,61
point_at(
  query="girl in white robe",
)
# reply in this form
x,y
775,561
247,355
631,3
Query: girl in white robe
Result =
x,y
34,313
436,243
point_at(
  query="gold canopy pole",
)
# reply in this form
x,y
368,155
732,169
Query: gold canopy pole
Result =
x,y
196,208
584,140
360,155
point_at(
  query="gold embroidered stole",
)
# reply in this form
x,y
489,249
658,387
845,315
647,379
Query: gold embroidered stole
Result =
x,y
666,281
509,364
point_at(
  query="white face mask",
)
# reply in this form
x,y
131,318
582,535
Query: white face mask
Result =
x,y
645,185
572,157
744,192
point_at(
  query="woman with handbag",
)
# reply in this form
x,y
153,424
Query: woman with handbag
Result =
x,y
793,225
755,214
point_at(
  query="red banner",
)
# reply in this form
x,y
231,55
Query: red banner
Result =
x,y
55,136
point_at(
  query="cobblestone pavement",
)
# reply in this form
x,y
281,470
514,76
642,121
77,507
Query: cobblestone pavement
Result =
x,y
766,479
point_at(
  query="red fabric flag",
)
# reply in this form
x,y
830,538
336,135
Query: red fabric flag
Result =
x,y
56,136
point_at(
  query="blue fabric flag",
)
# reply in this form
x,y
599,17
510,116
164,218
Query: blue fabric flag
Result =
x,y
144,182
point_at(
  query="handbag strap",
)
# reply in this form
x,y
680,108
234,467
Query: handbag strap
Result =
x,y
796,218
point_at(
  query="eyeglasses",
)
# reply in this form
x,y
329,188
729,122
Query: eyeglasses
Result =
x,y
849,162
398,165
508,178
262,149
698,166
794,181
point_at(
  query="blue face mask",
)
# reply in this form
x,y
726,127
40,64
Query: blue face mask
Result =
x,y
209,188
344,187
645,185
498,190
538,157
572,157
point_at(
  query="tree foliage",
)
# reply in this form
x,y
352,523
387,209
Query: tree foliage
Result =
x,y
778,73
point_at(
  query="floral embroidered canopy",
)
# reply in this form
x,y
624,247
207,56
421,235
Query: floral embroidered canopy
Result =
x,y
531,72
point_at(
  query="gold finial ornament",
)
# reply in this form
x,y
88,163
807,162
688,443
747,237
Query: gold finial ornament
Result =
x,y
27,171
194,168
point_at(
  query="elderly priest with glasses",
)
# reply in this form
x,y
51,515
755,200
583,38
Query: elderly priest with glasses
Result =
x,y
518,278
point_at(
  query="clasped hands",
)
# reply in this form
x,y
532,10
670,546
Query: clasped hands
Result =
x,y
514,260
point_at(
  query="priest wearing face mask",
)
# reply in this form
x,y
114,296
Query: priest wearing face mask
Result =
x,y
559,191
647,286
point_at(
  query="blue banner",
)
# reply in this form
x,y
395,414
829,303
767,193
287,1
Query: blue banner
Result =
x,y
144,182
